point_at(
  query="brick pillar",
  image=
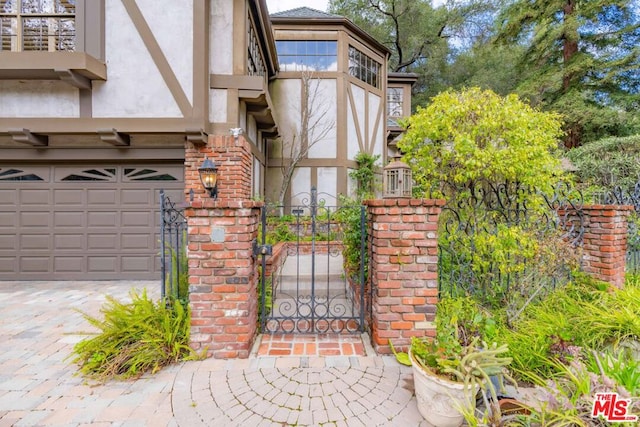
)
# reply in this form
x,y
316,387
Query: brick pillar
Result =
x,y
235,167
403,269
605,242
222,270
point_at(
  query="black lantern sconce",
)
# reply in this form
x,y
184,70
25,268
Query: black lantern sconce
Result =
x,y
209,177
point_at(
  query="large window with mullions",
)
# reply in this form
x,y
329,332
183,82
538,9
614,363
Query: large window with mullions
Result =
x,y
363,67
38,25
307,55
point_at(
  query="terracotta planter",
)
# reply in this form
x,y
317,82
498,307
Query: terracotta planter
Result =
x,y
439,398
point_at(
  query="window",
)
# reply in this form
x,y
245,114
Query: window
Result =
x,y
394,102
307,55
255,63
364,68
38,25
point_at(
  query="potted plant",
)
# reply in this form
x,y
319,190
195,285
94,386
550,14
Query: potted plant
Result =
x,y
448,376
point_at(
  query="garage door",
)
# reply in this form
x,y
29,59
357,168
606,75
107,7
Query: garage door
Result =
x,y
83,222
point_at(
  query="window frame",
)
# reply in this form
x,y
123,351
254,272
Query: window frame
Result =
x,y
295,51
77,67
17,39
363,67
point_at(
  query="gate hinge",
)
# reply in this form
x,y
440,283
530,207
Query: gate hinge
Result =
x,y
261,249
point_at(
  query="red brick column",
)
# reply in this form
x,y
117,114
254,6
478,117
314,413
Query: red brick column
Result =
x,y
235,167
223,276
605,242
403,269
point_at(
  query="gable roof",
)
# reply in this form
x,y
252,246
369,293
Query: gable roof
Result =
x,y
304,12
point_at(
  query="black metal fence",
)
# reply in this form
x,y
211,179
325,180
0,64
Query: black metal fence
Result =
x,y
508,244
621,196
173,252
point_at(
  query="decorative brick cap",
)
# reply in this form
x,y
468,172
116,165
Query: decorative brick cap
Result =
x,y
404,202
609,207
225,204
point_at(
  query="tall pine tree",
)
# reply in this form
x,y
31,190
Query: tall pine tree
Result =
x,y
582,59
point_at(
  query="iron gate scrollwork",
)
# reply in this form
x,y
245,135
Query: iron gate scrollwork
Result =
x,y
304,286
506,243
173,254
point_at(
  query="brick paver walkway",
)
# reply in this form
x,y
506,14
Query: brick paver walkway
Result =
x,y
39,325
311,345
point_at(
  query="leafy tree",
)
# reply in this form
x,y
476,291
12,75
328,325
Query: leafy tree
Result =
x,y
418,34
491,158
581,59
476,134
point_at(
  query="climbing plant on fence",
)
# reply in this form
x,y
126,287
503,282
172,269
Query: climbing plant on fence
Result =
x,y
495,160
494,247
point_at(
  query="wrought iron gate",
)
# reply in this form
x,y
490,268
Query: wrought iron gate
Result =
x,y
173,254
304,287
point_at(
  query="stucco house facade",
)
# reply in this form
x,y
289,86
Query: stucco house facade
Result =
x,y
100,100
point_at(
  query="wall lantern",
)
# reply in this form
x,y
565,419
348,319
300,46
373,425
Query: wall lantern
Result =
x,y
209,177
397,181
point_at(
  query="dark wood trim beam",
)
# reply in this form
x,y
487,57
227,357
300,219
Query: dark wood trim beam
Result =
x,y
114,137
197,136
74,79
227,81
52,125
25,136
48,154
43,65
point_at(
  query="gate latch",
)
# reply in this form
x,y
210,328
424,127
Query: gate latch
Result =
x,y
261,249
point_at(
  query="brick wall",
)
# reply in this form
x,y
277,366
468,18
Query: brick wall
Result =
x,y
403,269
605,242
235,167
222,272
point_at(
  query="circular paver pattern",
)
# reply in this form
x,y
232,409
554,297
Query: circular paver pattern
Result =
x,y
372,396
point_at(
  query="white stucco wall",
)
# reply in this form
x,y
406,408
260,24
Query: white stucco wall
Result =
x,y
38,99
300,186
286,96
134,86
221,37
352,135
323,113
328,184
359,101
375,134
218,105
273,181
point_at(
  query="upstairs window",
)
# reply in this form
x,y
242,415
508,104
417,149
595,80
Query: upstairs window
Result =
x,y
307,55
37,25
363,67
394,102
255,63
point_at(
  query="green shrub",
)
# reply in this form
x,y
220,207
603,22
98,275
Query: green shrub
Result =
x,y
177,280
134,338
608,162
584,315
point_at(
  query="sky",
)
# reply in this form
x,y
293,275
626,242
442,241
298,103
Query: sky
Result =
x,y
280,5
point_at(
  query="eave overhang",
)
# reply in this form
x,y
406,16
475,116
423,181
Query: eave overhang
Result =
x,y
75,68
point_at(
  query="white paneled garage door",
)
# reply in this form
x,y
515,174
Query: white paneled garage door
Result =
x,y
83,222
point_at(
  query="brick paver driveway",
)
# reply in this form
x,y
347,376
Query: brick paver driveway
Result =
x,y
40,323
